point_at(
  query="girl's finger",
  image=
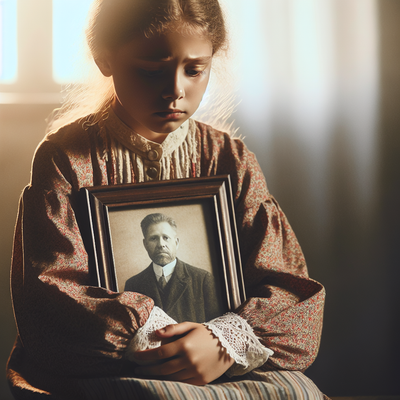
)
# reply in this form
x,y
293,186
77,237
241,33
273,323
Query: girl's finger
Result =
x,y
182,376
166,369
175,329
163,352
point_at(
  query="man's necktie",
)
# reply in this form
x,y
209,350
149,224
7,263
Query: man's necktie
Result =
x,y
162,282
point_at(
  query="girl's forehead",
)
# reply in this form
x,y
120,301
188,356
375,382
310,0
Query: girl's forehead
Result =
x,y
168,45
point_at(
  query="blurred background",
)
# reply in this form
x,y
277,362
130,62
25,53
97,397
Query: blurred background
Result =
x,y
317,86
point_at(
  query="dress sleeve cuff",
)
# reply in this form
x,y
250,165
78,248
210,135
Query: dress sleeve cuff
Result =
x,y
240,342
145,337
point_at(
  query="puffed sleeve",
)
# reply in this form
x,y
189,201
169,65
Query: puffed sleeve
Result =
x,y
284,307
64,324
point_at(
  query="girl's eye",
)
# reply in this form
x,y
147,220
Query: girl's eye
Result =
x,y
194,72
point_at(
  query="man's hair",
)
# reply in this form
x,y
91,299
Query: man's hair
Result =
x,y
155,218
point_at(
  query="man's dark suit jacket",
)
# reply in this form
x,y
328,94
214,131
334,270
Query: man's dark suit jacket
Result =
x,y
190,294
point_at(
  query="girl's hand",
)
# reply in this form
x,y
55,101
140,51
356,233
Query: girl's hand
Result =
x,y
194,356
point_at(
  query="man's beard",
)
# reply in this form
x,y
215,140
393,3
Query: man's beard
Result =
x,y
163,259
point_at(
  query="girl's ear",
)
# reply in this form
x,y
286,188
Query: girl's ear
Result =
x,y
104,65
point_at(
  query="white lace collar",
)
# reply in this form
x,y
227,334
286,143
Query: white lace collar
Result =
x,y
139,144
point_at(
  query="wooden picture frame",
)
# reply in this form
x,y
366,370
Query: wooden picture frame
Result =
x,y
202,207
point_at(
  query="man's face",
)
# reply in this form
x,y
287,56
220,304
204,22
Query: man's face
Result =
x,y
161,242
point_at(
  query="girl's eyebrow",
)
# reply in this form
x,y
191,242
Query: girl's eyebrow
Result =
x,y
202,60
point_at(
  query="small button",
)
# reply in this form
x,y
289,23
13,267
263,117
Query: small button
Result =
x,y
152,172
153,155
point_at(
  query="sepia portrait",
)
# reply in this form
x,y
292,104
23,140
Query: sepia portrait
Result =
x,y
183,254
168,254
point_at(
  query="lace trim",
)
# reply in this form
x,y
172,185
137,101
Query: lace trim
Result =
x,y
233,332
146,337
239,340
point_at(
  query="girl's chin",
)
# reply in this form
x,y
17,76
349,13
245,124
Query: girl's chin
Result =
x,y
169,126
158,131
158,134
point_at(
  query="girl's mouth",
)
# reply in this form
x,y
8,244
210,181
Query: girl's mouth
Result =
x,y
170,114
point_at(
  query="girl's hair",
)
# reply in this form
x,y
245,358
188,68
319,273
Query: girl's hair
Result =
x,y
114,22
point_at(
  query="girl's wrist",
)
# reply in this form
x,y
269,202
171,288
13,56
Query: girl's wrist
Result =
x,y
240,342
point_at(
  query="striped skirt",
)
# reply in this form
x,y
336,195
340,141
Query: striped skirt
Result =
x,y
275,385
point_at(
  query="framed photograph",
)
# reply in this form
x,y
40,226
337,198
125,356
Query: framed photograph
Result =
x,y
174,241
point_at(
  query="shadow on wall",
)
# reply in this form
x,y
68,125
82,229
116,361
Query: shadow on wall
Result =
x,y
351,241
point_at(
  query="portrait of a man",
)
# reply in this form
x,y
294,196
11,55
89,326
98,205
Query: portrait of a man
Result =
x,y
184,292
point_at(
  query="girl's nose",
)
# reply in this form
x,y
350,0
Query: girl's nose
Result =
x,y
174,91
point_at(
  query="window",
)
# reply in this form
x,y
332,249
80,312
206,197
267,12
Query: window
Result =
x,y
69,18
8,41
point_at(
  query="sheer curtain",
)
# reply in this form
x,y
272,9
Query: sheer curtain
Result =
x,y
308,79
306,74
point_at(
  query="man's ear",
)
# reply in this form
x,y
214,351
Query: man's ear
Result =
x,y
104,64
177,242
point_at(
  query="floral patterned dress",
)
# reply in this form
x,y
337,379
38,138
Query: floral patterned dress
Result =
x,y
72,337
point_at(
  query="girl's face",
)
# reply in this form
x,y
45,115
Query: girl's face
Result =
x,y
159,82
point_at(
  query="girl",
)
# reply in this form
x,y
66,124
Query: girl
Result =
x,y
78,341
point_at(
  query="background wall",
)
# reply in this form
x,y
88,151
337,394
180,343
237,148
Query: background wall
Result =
x,y
329,149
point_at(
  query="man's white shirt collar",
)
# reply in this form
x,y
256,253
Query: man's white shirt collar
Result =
x,y
167,270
